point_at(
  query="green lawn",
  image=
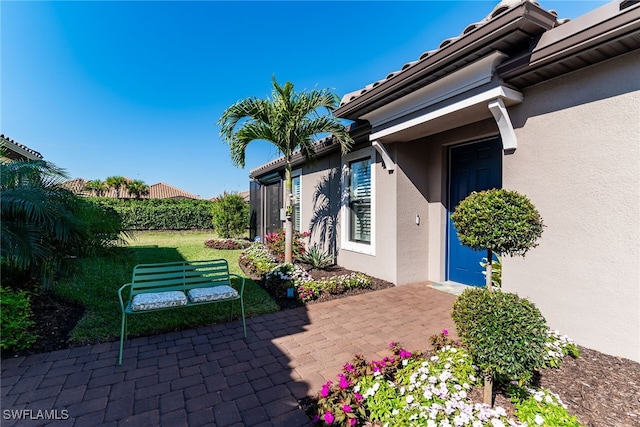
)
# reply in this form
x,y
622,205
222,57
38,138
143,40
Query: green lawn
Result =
x,y
95,283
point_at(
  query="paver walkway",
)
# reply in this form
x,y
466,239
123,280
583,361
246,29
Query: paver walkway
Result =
x,y
210,375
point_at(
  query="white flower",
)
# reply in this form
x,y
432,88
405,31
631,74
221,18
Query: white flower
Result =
x,y
496,422
409,399
539,420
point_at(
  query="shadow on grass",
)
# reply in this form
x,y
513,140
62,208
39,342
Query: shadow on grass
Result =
x,y
96,282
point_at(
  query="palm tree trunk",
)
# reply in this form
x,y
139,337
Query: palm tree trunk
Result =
x,y
288,226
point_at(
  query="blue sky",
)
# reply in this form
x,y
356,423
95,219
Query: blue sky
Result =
x,y
136,88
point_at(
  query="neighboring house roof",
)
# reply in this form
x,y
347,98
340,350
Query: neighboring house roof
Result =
x,y
156,191
166,191
17,151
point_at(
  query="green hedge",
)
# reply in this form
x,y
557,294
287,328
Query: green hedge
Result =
x,y
161,214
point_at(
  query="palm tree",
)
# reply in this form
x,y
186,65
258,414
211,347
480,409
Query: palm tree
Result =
x,y
290,121
97,187
37,217
117,183
137,188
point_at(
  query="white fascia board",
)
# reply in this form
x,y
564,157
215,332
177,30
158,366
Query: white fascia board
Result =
x,y
513,96
467,78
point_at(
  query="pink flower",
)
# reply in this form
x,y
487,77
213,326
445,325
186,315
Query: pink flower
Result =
x,y
328,417
346,408
404,354
326,389
348,367
445,332
358,396
392,344
344,382
353,421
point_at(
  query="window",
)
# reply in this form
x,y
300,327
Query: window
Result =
x,y
295,201
358,206
360,200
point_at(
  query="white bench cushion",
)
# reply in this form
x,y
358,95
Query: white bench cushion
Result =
x,y
156,300
212,294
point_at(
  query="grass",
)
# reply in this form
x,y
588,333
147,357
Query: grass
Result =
x,y
95,283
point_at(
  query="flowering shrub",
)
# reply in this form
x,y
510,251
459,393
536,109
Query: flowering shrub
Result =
x,y
557,347
441,340
275,243
541,408
415,389
285,276
229,244
258,255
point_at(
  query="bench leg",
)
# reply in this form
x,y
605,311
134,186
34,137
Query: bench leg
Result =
x,y
244,325
123,336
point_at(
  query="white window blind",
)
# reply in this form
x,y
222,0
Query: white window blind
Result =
x,y
360,200
295,203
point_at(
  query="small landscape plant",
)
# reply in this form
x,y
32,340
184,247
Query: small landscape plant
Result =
x,y
309,289
540,408
275,242
229,244
260,258
317,258
285,276
15,320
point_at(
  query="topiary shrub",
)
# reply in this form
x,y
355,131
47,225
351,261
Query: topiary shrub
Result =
x,y
15,321
498,220
505,334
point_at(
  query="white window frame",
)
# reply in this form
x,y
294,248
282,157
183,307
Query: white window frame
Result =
x,y
295,174
345,243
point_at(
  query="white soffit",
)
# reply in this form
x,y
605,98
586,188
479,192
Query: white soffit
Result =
x,y
467,78
473,76
500,92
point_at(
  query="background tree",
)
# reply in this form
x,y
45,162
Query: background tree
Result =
x,y
290,120
499,221
230,215
137,188
118,183
97,187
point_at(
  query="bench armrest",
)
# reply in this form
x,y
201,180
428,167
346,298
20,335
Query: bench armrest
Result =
x,y
122,305
242,281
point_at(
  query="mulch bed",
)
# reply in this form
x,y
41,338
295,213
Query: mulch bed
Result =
x,y
601,390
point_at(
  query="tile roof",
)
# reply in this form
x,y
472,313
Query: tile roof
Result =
x,y
10,143
156,191
502,7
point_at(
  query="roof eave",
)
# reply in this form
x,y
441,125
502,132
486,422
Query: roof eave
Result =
x,y
523,21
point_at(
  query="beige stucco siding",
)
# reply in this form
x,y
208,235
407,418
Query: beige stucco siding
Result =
x,y
578,159
382,264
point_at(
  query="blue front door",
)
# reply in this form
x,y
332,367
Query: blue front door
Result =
x,y
473,167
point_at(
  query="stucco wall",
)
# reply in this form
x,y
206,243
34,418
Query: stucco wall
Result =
x,y
412,198
383,264
578,159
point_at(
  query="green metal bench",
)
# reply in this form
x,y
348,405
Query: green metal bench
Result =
x,y
168,285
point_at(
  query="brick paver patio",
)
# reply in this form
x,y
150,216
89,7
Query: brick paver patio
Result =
x,y
210,375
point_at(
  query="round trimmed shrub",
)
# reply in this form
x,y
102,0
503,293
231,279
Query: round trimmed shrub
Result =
x,y
500,220
505,334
